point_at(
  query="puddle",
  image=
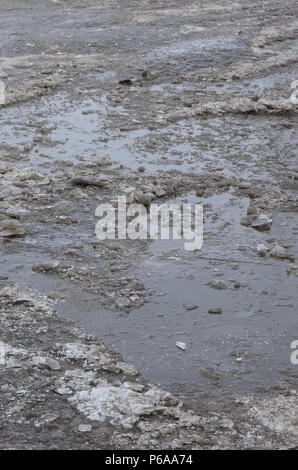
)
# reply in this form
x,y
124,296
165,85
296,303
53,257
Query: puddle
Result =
x,y
222,212
70,132
248,344
245,346
55,131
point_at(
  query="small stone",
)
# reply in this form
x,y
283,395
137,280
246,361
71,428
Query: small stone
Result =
x,y
292,268
46,267
190,306
210,373
237,284
53,295
144,198
126,81
281,253
181,346
127,369
85,427
84,182
215,311
262,223
63,390
11,228
218,284
159,192
52,364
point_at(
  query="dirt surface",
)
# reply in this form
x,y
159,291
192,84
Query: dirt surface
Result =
x,y
166,103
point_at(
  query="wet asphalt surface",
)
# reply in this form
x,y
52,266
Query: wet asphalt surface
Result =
x,y
62,65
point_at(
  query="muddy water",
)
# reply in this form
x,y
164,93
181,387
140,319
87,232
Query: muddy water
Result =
x,y
62,131
248,344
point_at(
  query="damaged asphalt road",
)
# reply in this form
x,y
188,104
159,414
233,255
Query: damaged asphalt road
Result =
x,y
162,104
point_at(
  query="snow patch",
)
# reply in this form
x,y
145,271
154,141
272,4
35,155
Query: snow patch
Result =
x,y
122,405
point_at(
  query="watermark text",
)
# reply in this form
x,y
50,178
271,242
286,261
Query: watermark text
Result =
x,y
164,222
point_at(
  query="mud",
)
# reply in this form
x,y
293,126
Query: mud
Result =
x,y
179,104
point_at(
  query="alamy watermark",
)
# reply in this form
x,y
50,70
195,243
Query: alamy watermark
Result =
x,y
137,222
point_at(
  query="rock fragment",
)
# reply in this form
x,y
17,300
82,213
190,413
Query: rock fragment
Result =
x,y
262,223
85,427
127,369
11,228
46,267
88,182
218,284
143,198
190,306
292,269
215,311
211,374
126,81
281,253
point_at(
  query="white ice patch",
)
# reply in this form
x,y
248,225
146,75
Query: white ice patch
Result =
x,y
74,350
122,405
